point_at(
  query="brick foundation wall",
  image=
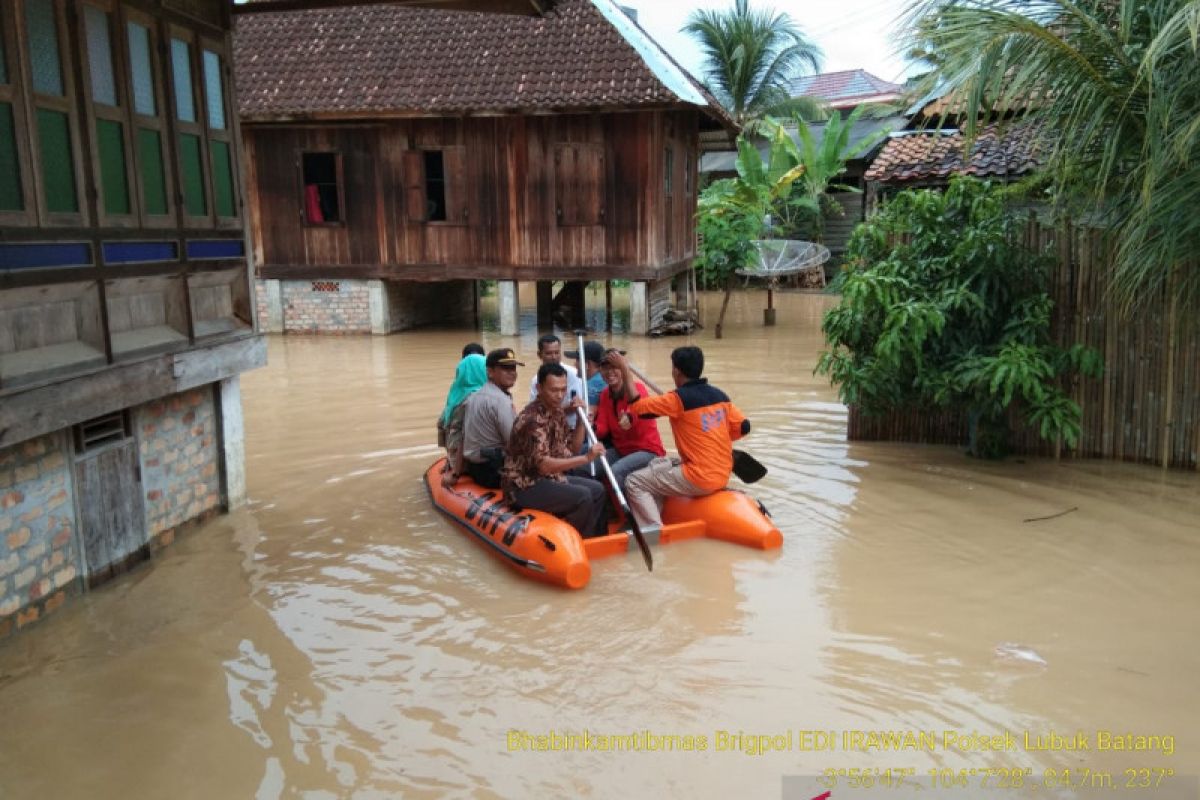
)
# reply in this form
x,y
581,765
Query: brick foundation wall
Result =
x,y
260,300
38,548
178,440
359,306
41,549
326,306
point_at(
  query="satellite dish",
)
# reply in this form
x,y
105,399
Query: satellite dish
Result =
x,y
778,258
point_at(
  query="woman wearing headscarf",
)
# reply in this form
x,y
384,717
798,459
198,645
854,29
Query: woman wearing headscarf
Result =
x,y
469,378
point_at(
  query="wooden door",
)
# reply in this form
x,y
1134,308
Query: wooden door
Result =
x,y
111,513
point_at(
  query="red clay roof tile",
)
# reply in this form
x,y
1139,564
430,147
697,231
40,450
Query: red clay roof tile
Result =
x,y
384,59
845,88
924,156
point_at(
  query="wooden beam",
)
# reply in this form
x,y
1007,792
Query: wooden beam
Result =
x,y
25,413
426,273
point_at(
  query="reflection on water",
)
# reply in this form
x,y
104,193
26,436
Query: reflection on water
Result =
x,y
339,638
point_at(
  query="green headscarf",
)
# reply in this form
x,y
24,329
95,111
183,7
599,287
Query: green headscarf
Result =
x,y
469,378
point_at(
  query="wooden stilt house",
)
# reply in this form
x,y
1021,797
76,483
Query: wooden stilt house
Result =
x,y
388,173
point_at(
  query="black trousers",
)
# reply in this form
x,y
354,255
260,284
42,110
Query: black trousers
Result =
x,y
487,473
578,501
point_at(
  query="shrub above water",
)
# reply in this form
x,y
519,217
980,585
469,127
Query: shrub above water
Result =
x,y
943,307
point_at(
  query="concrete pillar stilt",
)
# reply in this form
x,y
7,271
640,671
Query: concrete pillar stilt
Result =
x,y
233,441
274,320
379,308
639,308
510,309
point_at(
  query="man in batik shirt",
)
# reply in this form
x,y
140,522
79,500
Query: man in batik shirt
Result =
x,y
541,450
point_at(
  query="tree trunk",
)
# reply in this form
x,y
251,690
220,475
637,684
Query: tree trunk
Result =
x,y
724,305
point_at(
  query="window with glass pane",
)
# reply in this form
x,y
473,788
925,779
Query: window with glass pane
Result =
x,y
154,182
213,90
192,174
42,30
58,167
141,70
114,184
10,169
181,70
100,61
222,169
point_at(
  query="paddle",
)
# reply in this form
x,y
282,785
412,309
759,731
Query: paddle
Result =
x,y
612,479
745,466
579,357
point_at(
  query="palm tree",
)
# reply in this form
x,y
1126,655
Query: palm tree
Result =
x,y
1115,87
750,57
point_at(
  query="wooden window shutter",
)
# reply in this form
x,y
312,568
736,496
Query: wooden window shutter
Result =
x,y
457,193
579,184
414,185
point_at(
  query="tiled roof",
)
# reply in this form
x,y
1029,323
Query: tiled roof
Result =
x,y
842,89
922,156
382,59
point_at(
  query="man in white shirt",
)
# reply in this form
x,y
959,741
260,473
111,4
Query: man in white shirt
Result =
x,y
550,351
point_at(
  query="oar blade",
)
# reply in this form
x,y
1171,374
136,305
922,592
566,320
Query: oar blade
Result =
x,y
747,467
641,540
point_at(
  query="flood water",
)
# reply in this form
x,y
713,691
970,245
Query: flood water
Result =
x,y
339,638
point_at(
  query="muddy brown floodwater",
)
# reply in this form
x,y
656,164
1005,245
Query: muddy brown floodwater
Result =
x,y
338,638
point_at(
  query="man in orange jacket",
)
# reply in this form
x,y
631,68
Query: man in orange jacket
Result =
x,y
705,423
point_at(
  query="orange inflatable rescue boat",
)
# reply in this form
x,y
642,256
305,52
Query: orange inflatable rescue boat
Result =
x,y
541,546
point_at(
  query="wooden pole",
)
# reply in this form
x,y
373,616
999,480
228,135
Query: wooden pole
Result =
x,y
545,303
608,306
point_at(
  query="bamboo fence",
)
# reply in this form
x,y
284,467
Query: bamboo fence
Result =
x,y
1145,407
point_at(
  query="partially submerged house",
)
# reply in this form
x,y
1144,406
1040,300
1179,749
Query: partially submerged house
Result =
x,y
390,171
126,308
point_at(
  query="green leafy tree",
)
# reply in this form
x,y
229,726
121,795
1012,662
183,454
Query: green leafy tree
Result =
x,y
725,229
1115,86
941,306
750,58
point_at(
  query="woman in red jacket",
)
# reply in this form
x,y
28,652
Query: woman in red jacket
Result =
x,y
635,440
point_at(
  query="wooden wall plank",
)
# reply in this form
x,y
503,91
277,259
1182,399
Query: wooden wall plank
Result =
x,y
508,181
